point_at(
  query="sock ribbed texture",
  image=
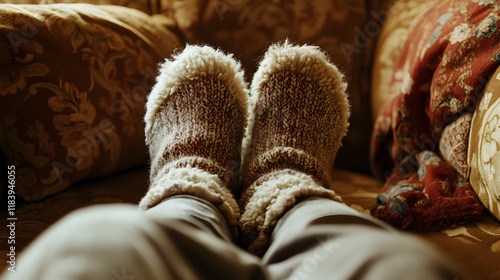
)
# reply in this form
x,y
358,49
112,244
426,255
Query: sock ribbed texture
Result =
x,y
298,114
195,120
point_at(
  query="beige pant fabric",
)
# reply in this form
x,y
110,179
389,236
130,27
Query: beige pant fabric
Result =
x,y
187,238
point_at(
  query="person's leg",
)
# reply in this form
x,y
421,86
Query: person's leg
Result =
x,y
324,239
299,115
117,242
195,118
205,246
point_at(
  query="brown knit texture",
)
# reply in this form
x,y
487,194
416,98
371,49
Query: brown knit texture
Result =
x,y
199,126
298,116
295,127
195,124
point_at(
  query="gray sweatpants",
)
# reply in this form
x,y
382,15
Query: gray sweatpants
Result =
x,y
187,238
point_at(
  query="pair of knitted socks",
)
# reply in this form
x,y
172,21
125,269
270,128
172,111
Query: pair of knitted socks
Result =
x,y
253,156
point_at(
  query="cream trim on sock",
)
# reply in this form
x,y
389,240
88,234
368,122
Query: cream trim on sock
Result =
x,y
272,196
196,182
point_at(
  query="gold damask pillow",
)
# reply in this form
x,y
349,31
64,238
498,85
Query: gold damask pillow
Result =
x,y
484,147
346,30
73,82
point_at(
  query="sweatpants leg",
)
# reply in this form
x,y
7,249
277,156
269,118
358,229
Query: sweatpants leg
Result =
x,y
181,238
324,239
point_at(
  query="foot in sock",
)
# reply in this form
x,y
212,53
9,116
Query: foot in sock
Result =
x,y
298,114
195,120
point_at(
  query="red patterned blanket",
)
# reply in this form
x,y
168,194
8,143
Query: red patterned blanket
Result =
x,y
420,139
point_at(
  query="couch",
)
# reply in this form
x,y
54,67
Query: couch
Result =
x,y
74,78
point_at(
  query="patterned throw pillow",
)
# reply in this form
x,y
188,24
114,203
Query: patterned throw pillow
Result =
x,y
73,82
346,30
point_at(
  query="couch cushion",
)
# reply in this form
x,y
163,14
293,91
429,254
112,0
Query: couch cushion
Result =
x,y
474,246
74,79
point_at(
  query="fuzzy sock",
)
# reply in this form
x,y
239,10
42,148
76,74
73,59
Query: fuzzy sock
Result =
x,y
298,114
195,120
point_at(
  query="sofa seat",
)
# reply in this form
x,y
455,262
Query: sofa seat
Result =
x,y
474,246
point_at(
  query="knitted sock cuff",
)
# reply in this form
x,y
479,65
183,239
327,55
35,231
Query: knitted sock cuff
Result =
x,y
196,182
285,158
269,198
227,175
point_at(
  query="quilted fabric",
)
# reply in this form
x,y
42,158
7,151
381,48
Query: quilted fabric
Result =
x,y
440,76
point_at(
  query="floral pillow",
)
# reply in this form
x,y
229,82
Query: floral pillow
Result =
x,y
484,146
73,82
